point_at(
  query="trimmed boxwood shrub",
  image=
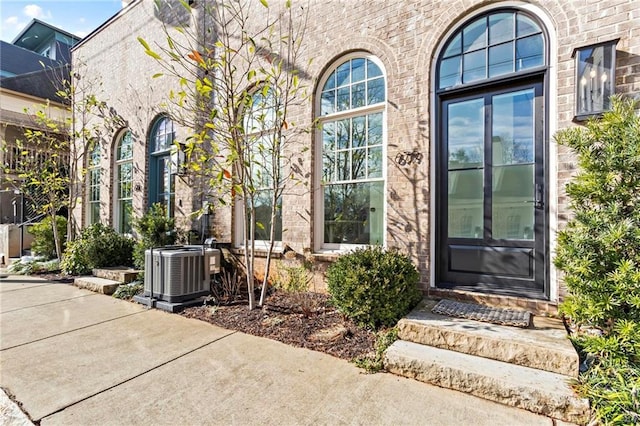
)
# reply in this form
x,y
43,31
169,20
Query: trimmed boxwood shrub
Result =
x,y
373,286
97,246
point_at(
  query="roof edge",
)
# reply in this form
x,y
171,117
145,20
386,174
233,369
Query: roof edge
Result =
x,y
104,24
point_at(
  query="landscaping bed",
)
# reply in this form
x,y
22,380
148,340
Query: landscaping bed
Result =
x,y
315,325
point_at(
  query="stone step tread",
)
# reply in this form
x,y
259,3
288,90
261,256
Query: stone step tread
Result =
x,y
97,284
121,274
538,391
545,346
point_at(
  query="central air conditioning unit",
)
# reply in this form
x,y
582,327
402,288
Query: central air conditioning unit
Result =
x,y
178,273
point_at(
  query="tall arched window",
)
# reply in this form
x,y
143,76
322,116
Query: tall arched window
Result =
x,y
491,188
161,177
93,180
123,183
351,148
260,154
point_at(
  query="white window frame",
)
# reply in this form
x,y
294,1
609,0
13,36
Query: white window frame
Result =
x,y
116,178
92,169
318,228
238,205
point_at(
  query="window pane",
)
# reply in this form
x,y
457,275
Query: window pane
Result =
x,y
501,28
465,134
373,70
454,47
525,26
331,82
328,102
359,164
328,152
475,66
529,52
343,128
375,91
375,129
359,135
450,72
513,202
125,147
354,213
263,202
344,169
342,74
465,196
357,70
375,162
125,212
358,95
343,98
501,59
512,129
474,35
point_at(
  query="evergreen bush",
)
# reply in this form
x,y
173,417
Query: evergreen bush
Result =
x,y
599,254
599,250
153,229
373,286
43,244
97,246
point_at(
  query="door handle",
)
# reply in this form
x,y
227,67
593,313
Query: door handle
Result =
x,y
539,197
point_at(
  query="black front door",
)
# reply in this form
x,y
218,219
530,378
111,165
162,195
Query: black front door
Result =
x,y
491,234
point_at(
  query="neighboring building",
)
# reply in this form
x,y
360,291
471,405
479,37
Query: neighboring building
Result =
x,y
30,68
436,132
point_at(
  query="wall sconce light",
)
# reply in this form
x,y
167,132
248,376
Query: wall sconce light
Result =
x,y
178,162
595,78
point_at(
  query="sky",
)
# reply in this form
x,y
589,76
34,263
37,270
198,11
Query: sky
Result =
x,y
78,17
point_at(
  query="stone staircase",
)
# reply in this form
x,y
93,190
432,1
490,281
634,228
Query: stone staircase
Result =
x,y
106,280
525,368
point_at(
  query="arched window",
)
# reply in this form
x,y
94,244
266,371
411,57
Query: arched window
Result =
x,y
351,148
491,46
491,188
123,183
161,176
93,180
260,154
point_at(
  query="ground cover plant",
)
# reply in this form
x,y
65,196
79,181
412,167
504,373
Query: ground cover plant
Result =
x,y
599,255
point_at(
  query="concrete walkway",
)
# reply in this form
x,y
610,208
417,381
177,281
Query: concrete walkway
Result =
x,y
72,357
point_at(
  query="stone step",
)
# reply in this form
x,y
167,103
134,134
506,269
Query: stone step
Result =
x,y
117,273
545,346
97,284
538,391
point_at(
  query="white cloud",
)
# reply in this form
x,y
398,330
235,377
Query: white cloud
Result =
x,y
10,27
12,20
35,11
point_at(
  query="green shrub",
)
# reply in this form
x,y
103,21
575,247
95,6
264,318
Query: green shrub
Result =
x,y
43,243
599,253
153,229
127,291
97,246
599,250
373,286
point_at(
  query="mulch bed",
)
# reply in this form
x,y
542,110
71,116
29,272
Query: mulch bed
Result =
x,y
304,320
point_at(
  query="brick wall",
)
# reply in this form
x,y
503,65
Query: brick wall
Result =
x,y
405,37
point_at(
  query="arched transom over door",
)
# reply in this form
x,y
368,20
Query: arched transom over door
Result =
x,y
492,218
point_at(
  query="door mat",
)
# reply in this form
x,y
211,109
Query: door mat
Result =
x,y
483,313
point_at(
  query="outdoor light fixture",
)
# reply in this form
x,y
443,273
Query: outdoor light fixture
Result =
x,y
595,78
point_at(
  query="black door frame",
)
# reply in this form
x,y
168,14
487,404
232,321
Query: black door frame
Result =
x,y
490,284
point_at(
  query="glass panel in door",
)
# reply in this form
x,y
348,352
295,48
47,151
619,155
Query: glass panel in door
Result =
x,y
465,153
513,171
